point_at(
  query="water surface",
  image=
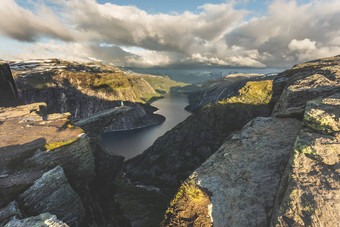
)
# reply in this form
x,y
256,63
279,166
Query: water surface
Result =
x,y
133,142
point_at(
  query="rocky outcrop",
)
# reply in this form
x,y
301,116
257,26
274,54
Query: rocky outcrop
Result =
x,y
274,172
174,156
42,220
57,198
306,81
8,91
48,164
310,188
140,116
242,177
216,90
88,88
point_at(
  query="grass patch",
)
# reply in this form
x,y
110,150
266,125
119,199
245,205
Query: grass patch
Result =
x,y
56,145
254,93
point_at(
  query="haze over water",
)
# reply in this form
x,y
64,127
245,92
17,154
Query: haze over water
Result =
x,y
133,142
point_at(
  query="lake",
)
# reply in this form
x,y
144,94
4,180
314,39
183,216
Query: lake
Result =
x,y
133,142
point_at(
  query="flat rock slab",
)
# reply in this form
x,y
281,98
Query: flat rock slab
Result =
x,y
243,175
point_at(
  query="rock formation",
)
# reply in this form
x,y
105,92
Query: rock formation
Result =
x,y
8,91
216,90
88,88
274,172
309,193
243,175
50,165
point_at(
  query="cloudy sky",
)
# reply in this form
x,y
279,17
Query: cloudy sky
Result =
x,y
154,33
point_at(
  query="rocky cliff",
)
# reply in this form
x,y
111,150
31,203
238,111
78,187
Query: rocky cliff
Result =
x,y
8,91
85,89
216,90
277,171
49,165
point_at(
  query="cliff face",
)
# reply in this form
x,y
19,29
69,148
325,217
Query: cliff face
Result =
x,y
49,165
85,89
217,90
8,91
274,172
180,151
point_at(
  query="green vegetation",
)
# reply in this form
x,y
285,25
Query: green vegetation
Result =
x,y
188,190
55,145
254,92
163,84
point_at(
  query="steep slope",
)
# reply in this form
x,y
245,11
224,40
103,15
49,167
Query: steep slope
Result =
x,y
216,90
8,90
177,153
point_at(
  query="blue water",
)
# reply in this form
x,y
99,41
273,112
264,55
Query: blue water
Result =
x,y
133,142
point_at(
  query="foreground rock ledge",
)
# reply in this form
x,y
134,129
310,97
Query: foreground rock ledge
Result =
x,y
243,175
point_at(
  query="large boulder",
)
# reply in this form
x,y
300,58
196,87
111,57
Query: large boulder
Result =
x,y
52,193
240,179
310,187
8,90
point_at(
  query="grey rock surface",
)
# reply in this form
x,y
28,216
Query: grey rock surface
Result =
x,y
243,175
51,193
42,220
9,212
306,81
309,193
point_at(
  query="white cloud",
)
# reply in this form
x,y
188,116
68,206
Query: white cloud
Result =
x,y
302,45
217,35
25,25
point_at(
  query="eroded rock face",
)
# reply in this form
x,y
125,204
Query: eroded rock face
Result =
x,y
51,193
42,220
173,157
8,91
306,81
88,88
32,143
243,175
216,90
310,188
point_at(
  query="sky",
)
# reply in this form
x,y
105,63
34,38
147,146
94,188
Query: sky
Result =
x,y
177,33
